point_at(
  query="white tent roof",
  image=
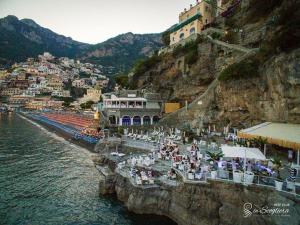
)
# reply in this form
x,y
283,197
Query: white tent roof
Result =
x,y
242,152
282,134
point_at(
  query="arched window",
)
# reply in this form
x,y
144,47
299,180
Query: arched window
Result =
x,y
192,30
136,121
155,119
126,121
146,120
181,36
112,120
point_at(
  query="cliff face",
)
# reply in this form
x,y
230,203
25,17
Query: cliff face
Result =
x,y
187,203
178,81
275,96
257,29
214,203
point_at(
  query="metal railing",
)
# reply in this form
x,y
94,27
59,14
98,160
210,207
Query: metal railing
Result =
x,y
139,144
227,176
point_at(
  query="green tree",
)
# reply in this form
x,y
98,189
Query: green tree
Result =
x,y
87,105
213,157
278,165
122,79
166,37
84,75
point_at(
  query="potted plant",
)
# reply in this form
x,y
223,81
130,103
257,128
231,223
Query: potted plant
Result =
x,y
214,157
213,174
237,176
248,177
277,166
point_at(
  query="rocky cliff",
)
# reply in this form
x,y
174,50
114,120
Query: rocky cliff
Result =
x,y
212,203
245,69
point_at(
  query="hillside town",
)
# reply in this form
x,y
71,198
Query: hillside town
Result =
x,y
50,82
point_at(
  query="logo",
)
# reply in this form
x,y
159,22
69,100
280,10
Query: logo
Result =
x,y
247,209
277,209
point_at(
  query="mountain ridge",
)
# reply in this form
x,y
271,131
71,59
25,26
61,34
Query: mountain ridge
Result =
x,y
25,38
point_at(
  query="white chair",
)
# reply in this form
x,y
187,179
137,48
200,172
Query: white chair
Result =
x,y
191,176
198,176
159,155
181,167
138,181
151,181
290,186
199,155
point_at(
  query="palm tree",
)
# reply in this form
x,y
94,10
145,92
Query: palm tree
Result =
x,y
278,165
260,141
213,157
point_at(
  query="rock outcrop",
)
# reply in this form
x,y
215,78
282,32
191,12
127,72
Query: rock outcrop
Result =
x,y
212,203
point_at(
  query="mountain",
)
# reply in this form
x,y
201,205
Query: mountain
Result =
x,y
24,38
122,51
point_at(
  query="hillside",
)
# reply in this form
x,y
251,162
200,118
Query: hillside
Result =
x,y
122,51
24,38
233,77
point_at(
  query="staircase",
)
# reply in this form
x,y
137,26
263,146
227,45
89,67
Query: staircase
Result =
x,y
208,96
231,46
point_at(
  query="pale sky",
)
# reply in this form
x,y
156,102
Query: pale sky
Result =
x,y
94,21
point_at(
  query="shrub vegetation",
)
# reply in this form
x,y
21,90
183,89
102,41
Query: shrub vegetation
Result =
x,y
87,105
122,79
245,69
166,37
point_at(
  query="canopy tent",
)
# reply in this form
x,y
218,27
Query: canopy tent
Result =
x,y
242,152
282,134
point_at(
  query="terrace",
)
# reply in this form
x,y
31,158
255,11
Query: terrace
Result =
x,y
200,162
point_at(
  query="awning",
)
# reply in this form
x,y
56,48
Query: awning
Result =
x,y
242,152
281,134
186,22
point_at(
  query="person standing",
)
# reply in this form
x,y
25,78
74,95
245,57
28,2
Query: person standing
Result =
x,y
290,155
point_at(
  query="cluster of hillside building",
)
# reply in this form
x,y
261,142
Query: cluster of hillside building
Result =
x,y
40,82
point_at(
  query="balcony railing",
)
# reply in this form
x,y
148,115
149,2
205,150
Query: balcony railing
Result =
x,y
123,107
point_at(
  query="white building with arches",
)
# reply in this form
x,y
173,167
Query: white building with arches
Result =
x,y
132,108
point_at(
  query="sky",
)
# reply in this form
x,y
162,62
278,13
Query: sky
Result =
x,y
94,21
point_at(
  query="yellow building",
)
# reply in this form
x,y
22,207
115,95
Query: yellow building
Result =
x,y
192,21
55,82
43,103
91,95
